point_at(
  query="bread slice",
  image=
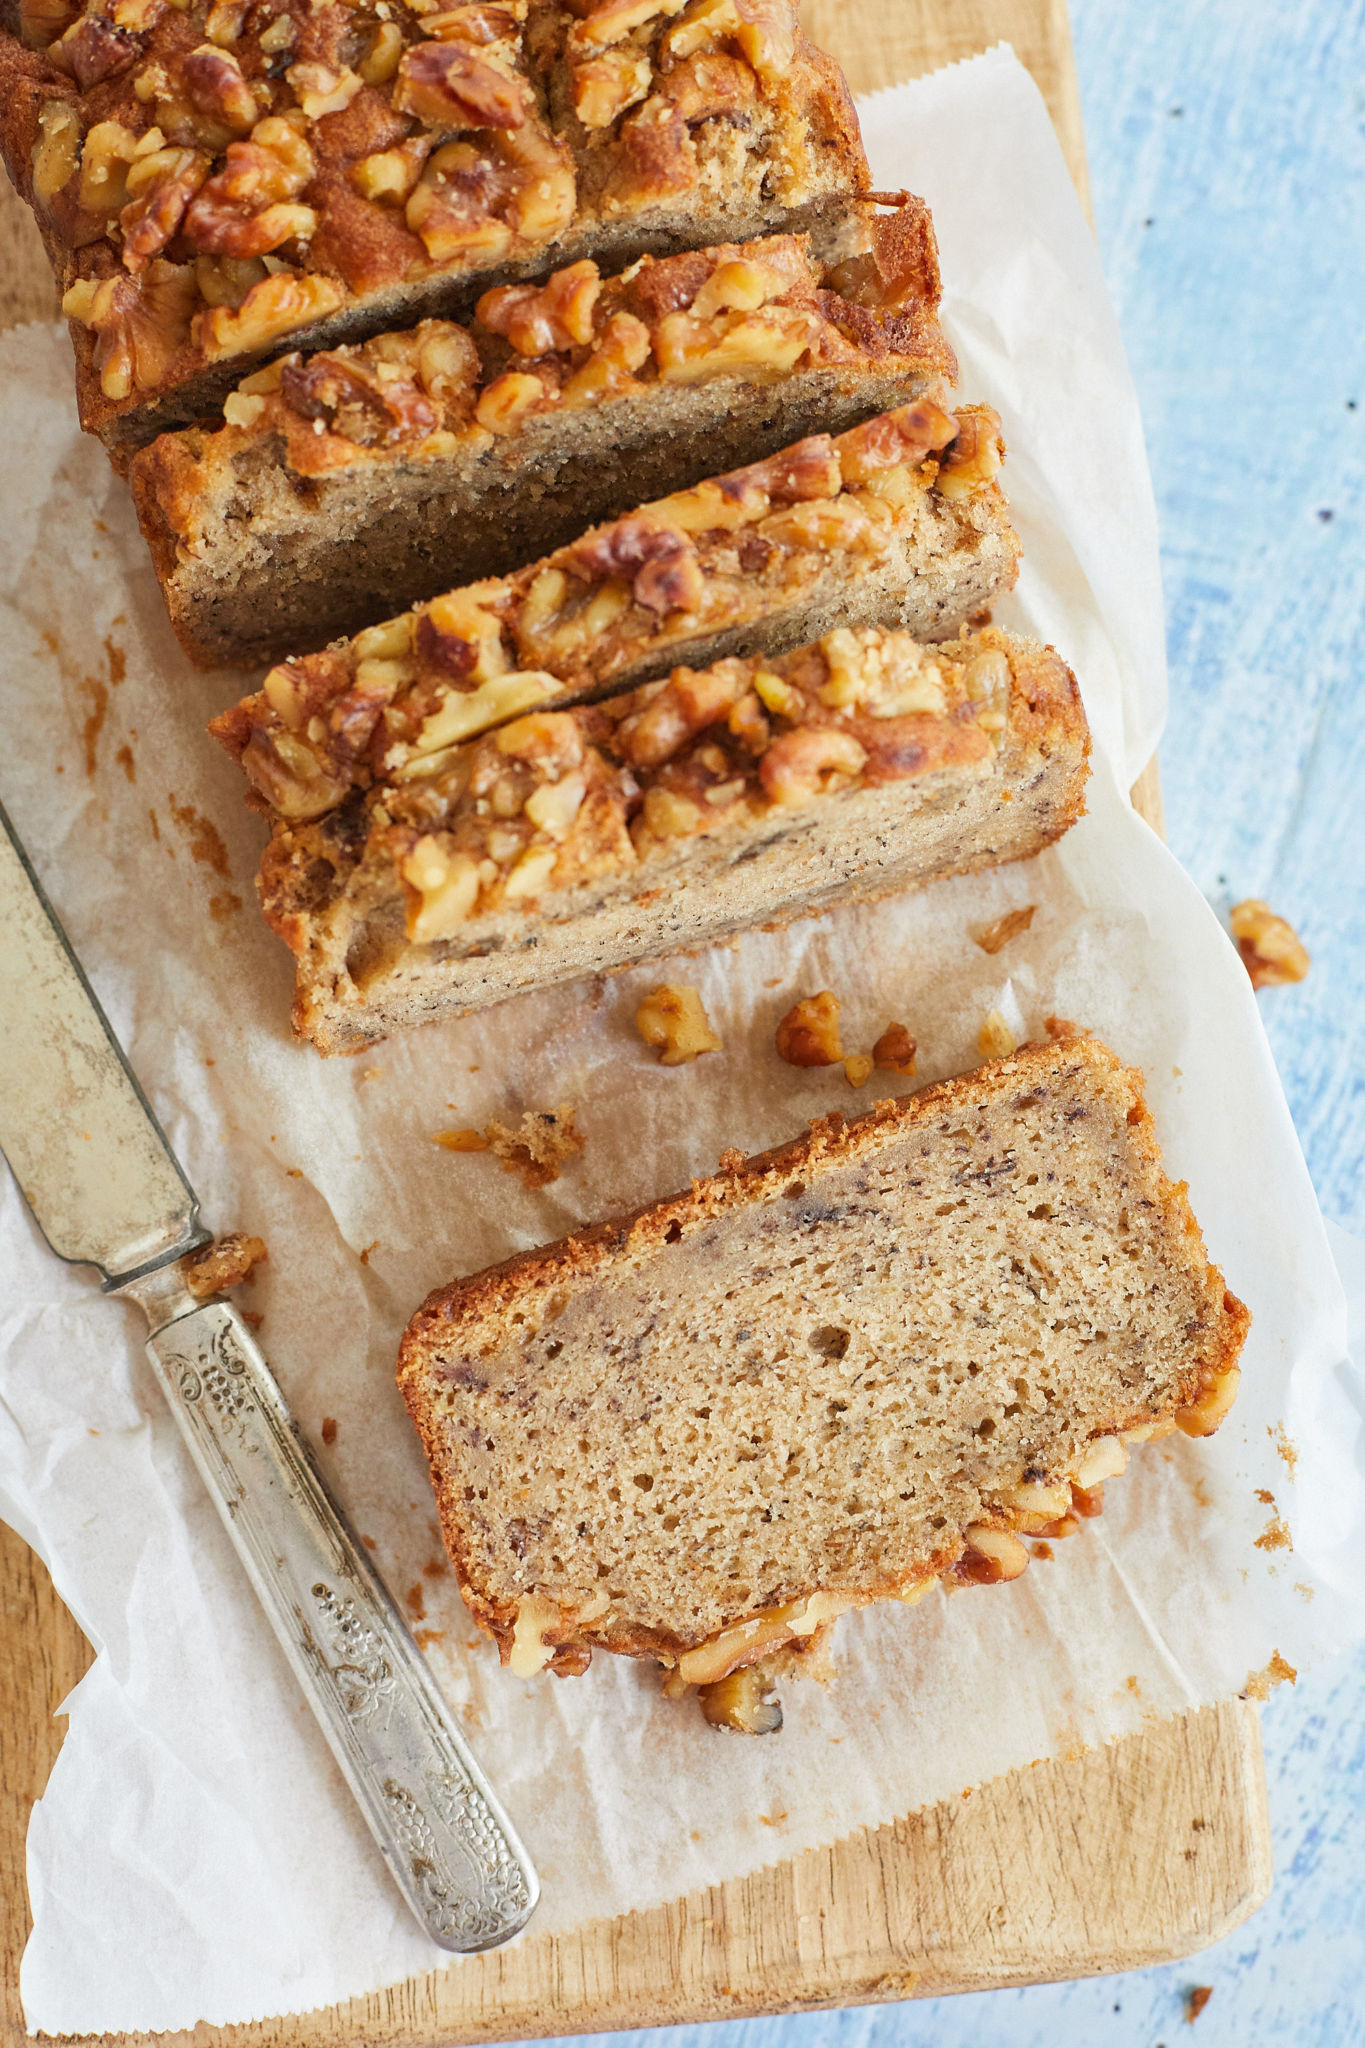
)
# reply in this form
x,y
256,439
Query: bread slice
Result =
x,y
825,1376
572,842
211,179
870,527
353,482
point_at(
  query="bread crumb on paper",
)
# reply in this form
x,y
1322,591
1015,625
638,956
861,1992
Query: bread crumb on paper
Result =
x,y
1260,1684
538,1149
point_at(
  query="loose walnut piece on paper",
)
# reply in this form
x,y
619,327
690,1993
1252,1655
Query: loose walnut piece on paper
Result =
x,y
229,1261
675,1020
895,1050
808,1036
1272,951
995,1038
538,1149
1006,928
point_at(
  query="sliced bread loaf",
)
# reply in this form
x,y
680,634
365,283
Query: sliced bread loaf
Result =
x,y
827,1376
568,843
212,178
350,483
899,522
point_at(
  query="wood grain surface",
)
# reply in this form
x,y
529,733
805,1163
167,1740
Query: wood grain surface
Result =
x,y
1135,1854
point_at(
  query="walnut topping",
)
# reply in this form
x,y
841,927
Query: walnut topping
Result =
x,y
604,86
321,89
1271,950
537,319
443,888
808,1036
215,87
277,306
160,187
991,1556
446,85
1006,928
975,456
605,22
329,389
57,151
858,1069
807,763
1202,1416
138,326
230,1261
764,31
895,1050
660,562
675,1020
243,209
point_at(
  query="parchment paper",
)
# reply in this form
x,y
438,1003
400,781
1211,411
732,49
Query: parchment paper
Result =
x,y
195,1856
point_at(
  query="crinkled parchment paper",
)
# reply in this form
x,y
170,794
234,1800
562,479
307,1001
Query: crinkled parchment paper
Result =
x,y
195,1855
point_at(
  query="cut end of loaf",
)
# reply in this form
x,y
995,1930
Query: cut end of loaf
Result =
x,y
883,1355
571,843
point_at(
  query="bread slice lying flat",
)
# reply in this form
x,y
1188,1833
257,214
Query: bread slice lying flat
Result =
x,y
212,179
824,1377
568,843
899,522
353,482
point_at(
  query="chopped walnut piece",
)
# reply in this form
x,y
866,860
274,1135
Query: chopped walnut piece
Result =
x,y
803,764
448,86
1272,951
744,1702
895,1050
975,456
858,1069
538,319
230,1261
675,1020
461,1141
808,1036
1196,1998
995,1038
1006,928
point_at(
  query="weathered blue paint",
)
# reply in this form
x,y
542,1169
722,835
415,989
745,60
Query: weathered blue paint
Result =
x,y
1227,149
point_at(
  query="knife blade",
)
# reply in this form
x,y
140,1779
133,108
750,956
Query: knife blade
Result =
x,y
106,1190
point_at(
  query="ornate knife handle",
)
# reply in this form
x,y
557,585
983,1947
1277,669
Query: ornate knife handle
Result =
x,y
446,1840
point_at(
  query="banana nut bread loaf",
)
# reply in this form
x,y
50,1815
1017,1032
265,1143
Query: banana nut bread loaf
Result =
x,y
567,843
898,522
824,1377
212,176
348,484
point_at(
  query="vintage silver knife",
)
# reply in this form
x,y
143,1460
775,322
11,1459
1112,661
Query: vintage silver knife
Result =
x,y
107,1191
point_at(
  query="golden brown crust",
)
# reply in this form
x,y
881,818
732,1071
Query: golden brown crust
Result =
x,y
267,170
453,1317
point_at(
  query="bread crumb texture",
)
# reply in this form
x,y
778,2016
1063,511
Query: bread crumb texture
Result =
x,y
825,1376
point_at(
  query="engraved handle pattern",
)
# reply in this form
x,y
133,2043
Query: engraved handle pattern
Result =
x,y
449,1845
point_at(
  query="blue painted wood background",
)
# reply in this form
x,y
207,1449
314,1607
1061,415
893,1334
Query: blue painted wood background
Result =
x,y
1227,151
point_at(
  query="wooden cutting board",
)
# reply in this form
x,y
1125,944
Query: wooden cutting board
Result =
x,y
1133,1855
